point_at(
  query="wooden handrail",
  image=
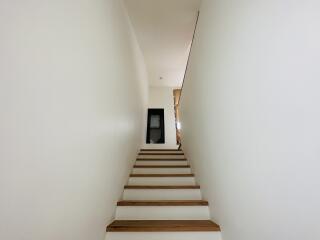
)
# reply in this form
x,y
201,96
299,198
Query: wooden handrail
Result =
x,y
185,72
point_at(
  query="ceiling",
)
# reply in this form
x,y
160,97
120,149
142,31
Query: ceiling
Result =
x,y
164,29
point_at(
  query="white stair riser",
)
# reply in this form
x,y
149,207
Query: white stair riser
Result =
x,y
163,235
162,156
162,152
162,181
153,162
162,213
163,194
161,170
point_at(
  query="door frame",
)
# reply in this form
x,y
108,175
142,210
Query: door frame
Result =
x,y
156,111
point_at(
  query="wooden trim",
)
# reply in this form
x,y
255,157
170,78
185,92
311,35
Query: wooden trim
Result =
x,y
162,175
162,149
163,226
160,153
161,166
161,159
161,203
161,187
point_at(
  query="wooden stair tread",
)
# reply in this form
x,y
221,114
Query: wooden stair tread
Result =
x,y
161,166
162,154
161,159
162,175
162,203
161,149
162,187
162,226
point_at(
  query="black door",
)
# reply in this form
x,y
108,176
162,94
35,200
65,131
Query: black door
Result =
x,y
155,130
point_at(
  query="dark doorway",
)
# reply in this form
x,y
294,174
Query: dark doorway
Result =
x,y
155,129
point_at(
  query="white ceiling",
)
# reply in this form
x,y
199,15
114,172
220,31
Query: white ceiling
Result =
x,y
164,29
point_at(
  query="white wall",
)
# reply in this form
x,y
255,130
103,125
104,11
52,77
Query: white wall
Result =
x,y
73,99
162,97
250,117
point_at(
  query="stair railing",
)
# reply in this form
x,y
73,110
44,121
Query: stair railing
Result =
x,y
186,69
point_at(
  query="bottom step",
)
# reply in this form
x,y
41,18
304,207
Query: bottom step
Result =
x,y
163,226
163,236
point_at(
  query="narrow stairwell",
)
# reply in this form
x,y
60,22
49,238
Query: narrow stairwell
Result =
x,y
162,201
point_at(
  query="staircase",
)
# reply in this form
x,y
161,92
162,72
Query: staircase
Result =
x,y
162,201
